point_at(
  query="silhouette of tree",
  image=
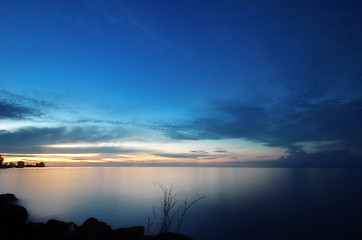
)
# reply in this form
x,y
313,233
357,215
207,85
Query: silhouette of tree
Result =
x,y
21,164
1,160
41,164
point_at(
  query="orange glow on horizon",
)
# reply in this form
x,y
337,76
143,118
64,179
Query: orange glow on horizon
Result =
x,y
202,156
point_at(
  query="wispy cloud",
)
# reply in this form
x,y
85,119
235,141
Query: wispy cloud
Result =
x,y
18,107
220,151
182,155
119,13
16,111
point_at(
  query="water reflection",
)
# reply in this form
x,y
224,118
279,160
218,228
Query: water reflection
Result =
x,y
240,203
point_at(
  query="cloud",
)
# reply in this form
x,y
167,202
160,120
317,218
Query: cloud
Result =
x,y
31,140
15,111
23,100
17,107
324,158
278,124
182,155
83,150
220,151
201,152
298,158
127,17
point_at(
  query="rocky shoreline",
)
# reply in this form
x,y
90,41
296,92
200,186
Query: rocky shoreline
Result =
x,y
14,225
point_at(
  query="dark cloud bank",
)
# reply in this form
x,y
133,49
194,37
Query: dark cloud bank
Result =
x,y
284,124
17,107
31,140
13,111
301,159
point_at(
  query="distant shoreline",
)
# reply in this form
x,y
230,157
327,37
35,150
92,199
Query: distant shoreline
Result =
x,y
200,166
19,164
11,165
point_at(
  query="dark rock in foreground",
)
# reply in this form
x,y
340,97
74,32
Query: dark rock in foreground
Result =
x,y
13,217
34,230
7,198
14,226
59,230
132,233
93,229
171,236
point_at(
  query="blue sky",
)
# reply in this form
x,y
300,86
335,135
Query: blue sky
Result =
x,y
181,82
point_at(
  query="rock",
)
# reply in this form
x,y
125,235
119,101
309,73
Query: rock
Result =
x,y
12,215
93,229
7,198
35,230
13,226
132,233
53,229
171,236
60,226
59,230
12,218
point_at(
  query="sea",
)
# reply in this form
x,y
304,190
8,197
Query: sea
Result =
x,y
238,203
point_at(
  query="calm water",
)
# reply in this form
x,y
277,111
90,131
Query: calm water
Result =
x,y
240,203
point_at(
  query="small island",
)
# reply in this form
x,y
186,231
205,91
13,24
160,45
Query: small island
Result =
x,y
19,164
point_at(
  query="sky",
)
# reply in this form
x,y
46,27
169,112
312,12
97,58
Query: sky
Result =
x,y
181,83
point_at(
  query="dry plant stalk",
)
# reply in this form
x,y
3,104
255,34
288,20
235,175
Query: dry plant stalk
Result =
x,y
170,209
